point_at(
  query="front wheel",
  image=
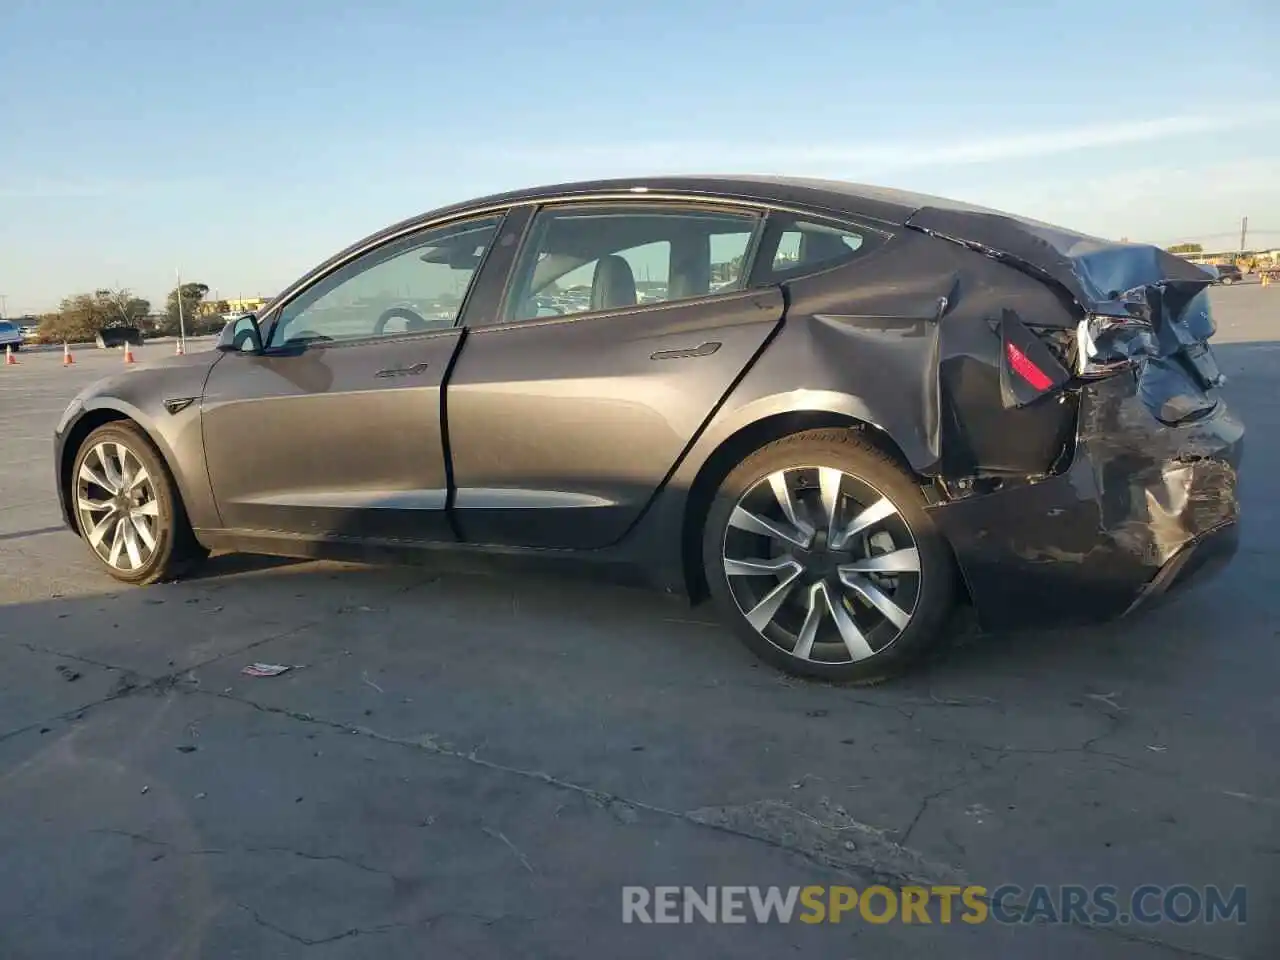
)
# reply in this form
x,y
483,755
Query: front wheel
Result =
x,y
128,508
818,551
1228,281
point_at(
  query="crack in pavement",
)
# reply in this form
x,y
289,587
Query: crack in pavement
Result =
x,y
929,798
35,648
168,680
907,866
729,820
1181,951
235,850
380,928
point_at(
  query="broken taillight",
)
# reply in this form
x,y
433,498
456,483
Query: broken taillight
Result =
x,y
1108,345
1029,369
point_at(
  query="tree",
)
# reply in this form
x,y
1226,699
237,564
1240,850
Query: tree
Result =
x,y
124,309
1186,248
50,329
81,316
192,295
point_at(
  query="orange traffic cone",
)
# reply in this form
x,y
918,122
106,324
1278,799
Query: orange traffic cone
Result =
x,y
177,350
67,358
128,353
9,358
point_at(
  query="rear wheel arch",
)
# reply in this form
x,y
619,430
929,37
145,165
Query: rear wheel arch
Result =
x,y
741,444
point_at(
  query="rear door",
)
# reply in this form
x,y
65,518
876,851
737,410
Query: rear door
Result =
x,y
336,430
624,325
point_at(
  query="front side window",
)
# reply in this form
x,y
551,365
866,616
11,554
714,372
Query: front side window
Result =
x,y
414,284
620,256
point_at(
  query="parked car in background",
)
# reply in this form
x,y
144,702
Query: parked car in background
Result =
x,y
1228,273
10,335
891,404
109,337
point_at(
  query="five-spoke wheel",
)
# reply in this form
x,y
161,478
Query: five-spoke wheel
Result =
x,y
821,549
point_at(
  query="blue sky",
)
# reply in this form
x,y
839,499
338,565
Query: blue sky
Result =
x,y
244,140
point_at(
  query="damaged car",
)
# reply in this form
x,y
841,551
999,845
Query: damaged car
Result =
x,y
837,411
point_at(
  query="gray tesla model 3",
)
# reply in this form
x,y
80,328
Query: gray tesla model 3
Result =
x,y
837,411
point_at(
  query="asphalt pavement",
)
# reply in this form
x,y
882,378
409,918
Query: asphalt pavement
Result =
x,y
468,767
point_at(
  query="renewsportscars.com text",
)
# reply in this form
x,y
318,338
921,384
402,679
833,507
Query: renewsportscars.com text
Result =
x,y
1007,904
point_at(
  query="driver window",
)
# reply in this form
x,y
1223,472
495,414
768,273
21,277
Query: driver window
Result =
x,y
411,285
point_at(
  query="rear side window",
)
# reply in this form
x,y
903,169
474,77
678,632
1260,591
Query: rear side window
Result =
x,y
794,246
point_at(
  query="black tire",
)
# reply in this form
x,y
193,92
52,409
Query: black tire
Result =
x,y
935,584
177,550
1228,281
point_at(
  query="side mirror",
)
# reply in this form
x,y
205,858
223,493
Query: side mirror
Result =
x,y
241,335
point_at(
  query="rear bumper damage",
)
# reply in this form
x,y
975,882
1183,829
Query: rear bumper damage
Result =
x,y
1144,508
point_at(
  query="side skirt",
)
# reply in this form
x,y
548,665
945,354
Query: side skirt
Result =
x,y
611,565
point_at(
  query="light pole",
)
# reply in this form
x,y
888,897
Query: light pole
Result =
x,y
182,323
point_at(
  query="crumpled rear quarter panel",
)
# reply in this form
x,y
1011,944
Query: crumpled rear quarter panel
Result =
x,y
1082,546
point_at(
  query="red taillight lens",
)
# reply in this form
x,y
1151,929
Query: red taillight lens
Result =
x,y
1027,370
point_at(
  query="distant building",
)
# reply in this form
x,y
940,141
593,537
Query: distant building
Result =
x,y
230,307
1230,256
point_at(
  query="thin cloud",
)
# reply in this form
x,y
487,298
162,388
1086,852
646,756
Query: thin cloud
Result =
x,y
976,149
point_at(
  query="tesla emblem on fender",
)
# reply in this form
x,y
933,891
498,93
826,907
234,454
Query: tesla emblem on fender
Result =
x,y
178,404
706,350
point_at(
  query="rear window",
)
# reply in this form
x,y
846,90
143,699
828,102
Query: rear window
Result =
x,y
794,246
7,327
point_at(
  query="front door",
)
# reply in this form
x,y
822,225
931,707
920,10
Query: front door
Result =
x,y
624,326
335,430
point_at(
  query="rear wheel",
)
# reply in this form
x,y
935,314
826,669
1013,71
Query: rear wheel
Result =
x,y
128,507
1228,281
818,550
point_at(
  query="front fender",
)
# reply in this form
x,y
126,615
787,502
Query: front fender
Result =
x,y
140,397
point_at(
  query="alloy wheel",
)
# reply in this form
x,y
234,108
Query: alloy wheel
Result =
x,y
822,564
118,508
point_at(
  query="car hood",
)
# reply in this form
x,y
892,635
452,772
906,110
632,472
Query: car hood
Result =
x,y
1095,272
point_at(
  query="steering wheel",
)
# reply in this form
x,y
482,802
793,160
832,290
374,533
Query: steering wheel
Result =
x,y
413,321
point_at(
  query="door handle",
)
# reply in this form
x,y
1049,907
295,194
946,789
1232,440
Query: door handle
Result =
x,y
412,371
704,350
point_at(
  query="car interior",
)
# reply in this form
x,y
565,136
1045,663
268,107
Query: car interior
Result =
x,y
679,250
576,261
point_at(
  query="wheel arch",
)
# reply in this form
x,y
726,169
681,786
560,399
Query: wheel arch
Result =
x,y
742,443
88,421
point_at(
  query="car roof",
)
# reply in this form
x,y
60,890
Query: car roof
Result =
x,y
877,203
